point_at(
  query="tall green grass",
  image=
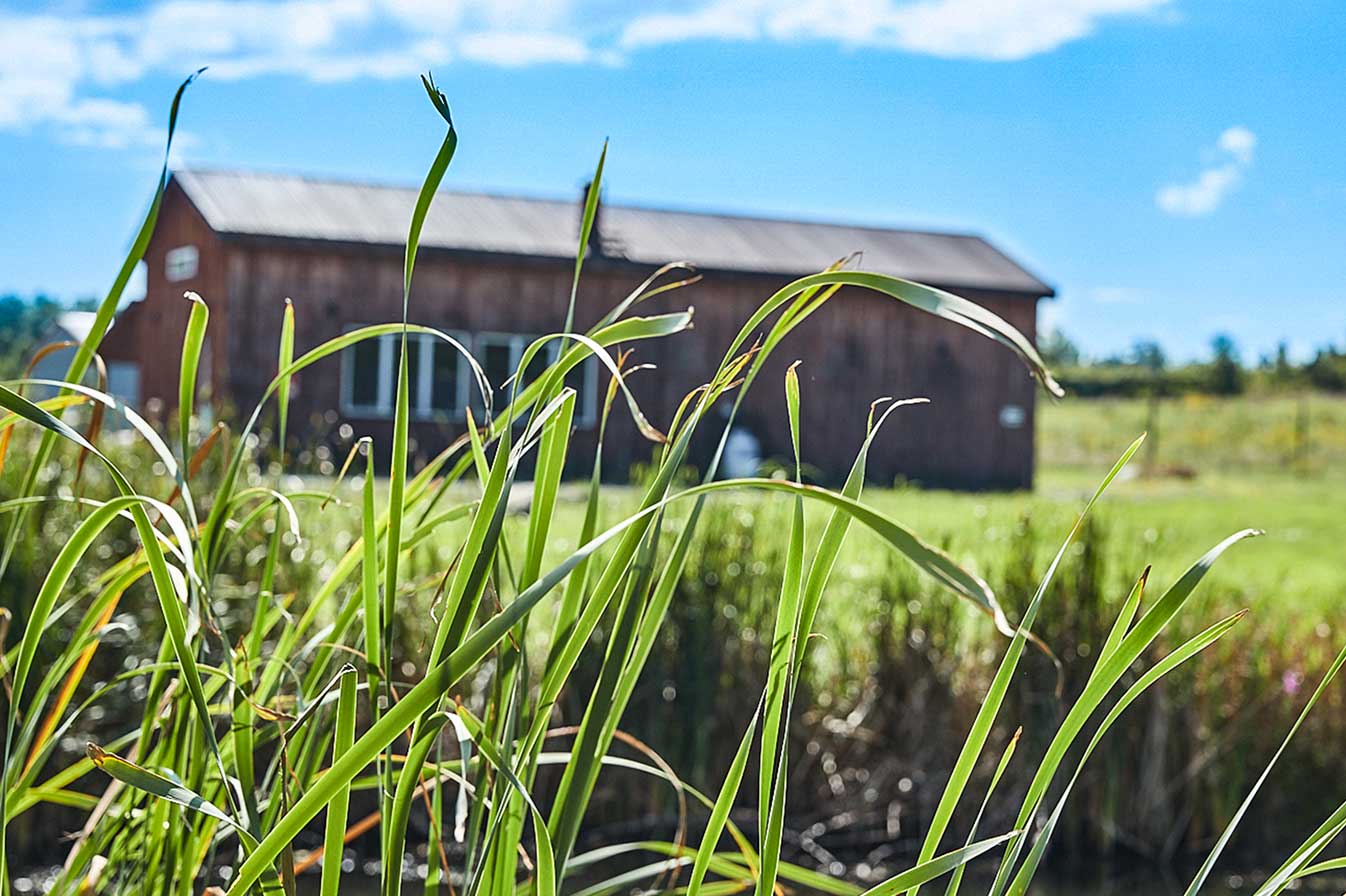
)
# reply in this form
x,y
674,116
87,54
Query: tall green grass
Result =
x,y
268,713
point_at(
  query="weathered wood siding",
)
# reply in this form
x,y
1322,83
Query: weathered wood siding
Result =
x,y
150,331
859,347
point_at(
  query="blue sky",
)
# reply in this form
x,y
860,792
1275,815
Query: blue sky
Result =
x,y
1177,168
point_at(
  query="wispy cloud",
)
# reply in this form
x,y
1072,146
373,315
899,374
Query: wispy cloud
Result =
x,y
518,48
1232,156
65,75
995,30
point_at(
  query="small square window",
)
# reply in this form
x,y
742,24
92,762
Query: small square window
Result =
x,y
181,263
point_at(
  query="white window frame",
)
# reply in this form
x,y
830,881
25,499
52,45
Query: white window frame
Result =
x,y
586,404
421,408
383,401
585,410
182,263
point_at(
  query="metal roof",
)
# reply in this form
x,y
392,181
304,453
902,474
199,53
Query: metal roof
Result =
x,y
287,206
76,325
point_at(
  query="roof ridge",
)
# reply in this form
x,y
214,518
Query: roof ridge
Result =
x,y
779,218
343,181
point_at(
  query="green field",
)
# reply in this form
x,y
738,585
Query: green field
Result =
x,y
1221,465
1233,466
1167,523
1277,463
1201,435
899,666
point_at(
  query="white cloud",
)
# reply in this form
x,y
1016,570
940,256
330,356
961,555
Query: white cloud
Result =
x,y
1234,151
63,74
996,30
725,20
516,48
1201,196
43,60
1239,142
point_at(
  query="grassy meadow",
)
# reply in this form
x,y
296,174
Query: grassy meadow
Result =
x,y
877,613
1233,458
223,675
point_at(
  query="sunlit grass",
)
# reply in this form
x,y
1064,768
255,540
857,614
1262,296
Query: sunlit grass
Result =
x,y
279,697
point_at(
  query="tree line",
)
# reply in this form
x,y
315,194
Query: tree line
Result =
x,y
1145,369
24,324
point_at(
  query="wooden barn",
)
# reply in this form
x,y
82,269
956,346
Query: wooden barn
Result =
x,y
495,271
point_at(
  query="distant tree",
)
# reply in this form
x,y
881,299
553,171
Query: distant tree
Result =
x,y
1149,354
1328,369
24,323
1225,371
1058,350
1279,369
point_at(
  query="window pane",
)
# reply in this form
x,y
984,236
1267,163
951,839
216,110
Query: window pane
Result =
x,y
496,361
444,379
493,354
181,263
541,361
364,373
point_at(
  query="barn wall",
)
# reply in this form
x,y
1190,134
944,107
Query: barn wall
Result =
x,y
859,347
150,331
862,346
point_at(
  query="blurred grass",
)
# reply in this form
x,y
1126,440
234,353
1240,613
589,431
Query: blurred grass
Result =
x,y
892,649
1234,453
884,629
1301,432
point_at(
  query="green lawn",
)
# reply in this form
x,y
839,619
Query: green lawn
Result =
x,y
1200,434
1276,463
1236,467
1169,523
1293,579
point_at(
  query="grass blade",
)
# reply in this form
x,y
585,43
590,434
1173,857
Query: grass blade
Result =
x,y
342,739
157,785
1174,659
995,695
724,804
926,871
957,879
191,359
1204,871
586,232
